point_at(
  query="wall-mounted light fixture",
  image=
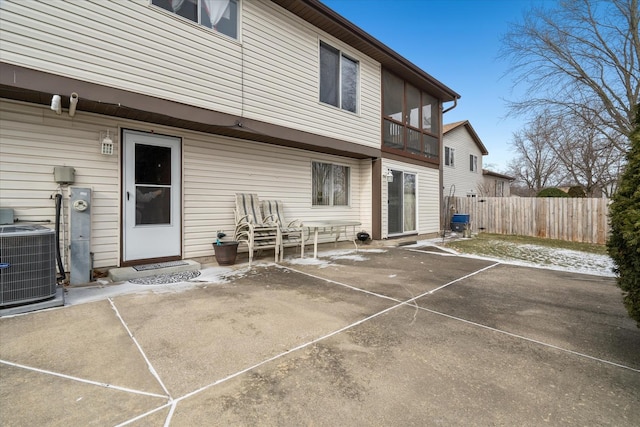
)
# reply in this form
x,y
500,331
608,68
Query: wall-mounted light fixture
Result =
x,y
106,143
56,104
388,174
73,102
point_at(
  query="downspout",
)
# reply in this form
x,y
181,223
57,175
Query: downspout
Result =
x,y
443,211
455,104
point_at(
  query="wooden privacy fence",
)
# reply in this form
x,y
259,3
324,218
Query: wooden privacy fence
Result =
x,y
572,219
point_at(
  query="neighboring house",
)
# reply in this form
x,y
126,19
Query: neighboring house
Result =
x,y
462,164
496,184
281,98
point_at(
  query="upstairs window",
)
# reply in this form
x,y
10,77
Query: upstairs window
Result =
x,y
338,79
330,184
219,15
449,156
410,119
473,163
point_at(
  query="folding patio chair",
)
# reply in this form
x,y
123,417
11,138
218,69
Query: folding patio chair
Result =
x,y
254,230
291,231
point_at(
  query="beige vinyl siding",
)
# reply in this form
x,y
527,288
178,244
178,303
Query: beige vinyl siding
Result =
x,y
216,168
281,61
459,178
34,140
128,45
131,45
428,204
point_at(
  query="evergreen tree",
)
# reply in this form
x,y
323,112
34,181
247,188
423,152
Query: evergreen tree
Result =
x,y
624,216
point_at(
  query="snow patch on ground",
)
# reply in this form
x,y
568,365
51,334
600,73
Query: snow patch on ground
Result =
x,y
540,256
104,289
325,257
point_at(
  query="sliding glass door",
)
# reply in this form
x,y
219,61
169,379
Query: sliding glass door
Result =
x,y
401,203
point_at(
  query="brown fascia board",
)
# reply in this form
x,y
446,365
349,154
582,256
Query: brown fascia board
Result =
x,y
28,85
497,175
451,126
321,16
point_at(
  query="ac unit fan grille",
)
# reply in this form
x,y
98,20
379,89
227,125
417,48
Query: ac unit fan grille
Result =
x,y
28,261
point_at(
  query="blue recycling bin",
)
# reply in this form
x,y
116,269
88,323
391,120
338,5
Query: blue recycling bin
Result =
x,y
459,222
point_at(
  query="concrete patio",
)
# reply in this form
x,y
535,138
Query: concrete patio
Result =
x,y
387,336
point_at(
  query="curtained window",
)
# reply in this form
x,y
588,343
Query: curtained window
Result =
x,y
219,15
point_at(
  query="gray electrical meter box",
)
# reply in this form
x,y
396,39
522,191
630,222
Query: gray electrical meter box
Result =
x,y
64,174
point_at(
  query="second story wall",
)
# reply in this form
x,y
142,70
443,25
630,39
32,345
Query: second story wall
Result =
x,y
458,179
282,74
270,73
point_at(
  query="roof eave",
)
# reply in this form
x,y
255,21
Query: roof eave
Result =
x,y
321,16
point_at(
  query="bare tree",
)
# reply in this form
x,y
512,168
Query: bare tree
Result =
x,y
589,158
581,57
535,164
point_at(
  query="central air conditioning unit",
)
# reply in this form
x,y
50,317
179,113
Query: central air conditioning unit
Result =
x,y
27,264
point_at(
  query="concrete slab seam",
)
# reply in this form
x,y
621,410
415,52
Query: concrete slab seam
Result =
x,y
146,359
431,252
271,359
409,303
82,380
511,334
141,416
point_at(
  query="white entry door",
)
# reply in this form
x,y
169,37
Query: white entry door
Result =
x,y
151,196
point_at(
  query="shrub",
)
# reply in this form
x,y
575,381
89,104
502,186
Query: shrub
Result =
x,y
552,192
624,216
576,191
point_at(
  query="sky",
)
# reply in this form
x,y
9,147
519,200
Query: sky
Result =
x,y
458,43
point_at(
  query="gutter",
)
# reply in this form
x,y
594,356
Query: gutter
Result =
x,y
455,104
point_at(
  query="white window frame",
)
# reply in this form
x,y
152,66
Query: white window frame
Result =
x,y
199,18
332,183
341,55
473,163
449,156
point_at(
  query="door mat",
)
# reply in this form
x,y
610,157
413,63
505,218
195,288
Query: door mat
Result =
x,y
158,265
185,276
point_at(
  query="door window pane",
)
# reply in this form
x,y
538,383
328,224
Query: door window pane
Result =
x,y
409,202
394,203
153,205
153,164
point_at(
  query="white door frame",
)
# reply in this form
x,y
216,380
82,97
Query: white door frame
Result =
x,y
161,237
402,175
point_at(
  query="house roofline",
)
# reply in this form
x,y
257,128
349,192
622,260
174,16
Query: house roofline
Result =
x,y
452,126
323,17
487,172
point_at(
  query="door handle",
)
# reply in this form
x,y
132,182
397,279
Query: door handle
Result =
x,y
127,196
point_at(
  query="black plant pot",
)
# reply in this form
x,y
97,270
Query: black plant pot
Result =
x,y
226,252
